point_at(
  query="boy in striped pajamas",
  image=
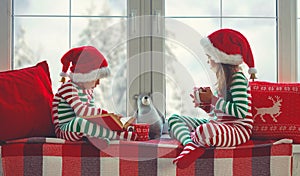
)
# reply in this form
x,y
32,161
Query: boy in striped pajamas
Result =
x,y
226,49
74,99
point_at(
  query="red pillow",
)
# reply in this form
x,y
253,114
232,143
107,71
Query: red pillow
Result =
x,y
25,102
276,110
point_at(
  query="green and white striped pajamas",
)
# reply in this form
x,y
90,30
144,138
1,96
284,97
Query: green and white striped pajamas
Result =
x,y
70,104
181,127
233,124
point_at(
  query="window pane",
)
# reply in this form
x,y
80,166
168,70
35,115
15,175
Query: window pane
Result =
x,y
192,8
203,26
99,8
263,8
41,7
262,42
184,70
186,63
48,37
37,39
109,36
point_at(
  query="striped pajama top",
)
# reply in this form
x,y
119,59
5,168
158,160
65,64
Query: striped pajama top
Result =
x,y
69,102
238,110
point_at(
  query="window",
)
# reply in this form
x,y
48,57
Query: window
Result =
x,y
196,18
165,57
45,32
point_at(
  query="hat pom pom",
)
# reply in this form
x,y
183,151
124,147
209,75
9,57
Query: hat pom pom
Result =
x,y
63,77
252,72
104,72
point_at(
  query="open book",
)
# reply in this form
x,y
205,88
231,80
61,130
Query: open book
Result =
x,y
112,121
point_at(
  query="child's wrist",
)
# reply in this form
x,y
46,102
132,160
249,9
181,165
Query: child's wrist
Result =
x,y
214,100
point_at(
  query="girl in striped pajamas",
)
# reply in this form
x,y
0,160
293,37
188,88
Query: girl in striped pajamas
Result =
x,y
74,99
226,49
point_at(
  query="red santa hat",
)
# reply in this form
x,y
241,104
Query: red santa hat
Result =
x,y
228,46
88,64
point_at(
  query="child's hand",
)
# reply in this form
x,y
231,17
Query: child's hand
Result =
x,y
196,103
205,106
196,96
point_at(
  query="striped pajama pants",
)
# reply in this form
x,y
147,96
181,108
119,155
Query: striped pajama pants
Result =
x,y
78,127
213,133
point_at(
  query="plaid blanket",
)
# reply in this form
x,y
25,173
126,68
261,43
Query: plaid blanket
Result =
x,y
52,156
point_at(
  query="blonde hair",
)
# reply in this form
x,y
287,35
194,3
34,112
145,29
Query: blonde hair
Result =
x,y
224,79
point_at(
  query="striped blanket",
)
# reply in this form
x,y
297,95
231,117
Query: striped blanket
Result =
x,y
52,156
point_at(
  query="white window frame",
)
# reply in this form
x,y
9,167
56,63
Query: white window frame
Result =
x,y
5,35
145,74
287,41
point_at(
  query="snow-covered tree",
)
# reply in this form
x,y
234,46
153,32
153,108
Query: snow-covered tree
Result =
x,y
110,40
23,54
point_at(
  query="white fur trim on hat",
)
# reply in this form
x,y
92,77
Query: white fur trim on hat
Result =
x,y
91,76
63,74
252,70
219,56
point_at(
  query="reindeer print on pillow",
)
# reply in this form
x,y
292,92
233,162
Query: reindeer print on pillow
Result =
x,y
274,111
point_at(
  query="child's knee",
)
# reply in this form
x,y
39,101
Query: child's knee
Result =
x,y
173,118
199,130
